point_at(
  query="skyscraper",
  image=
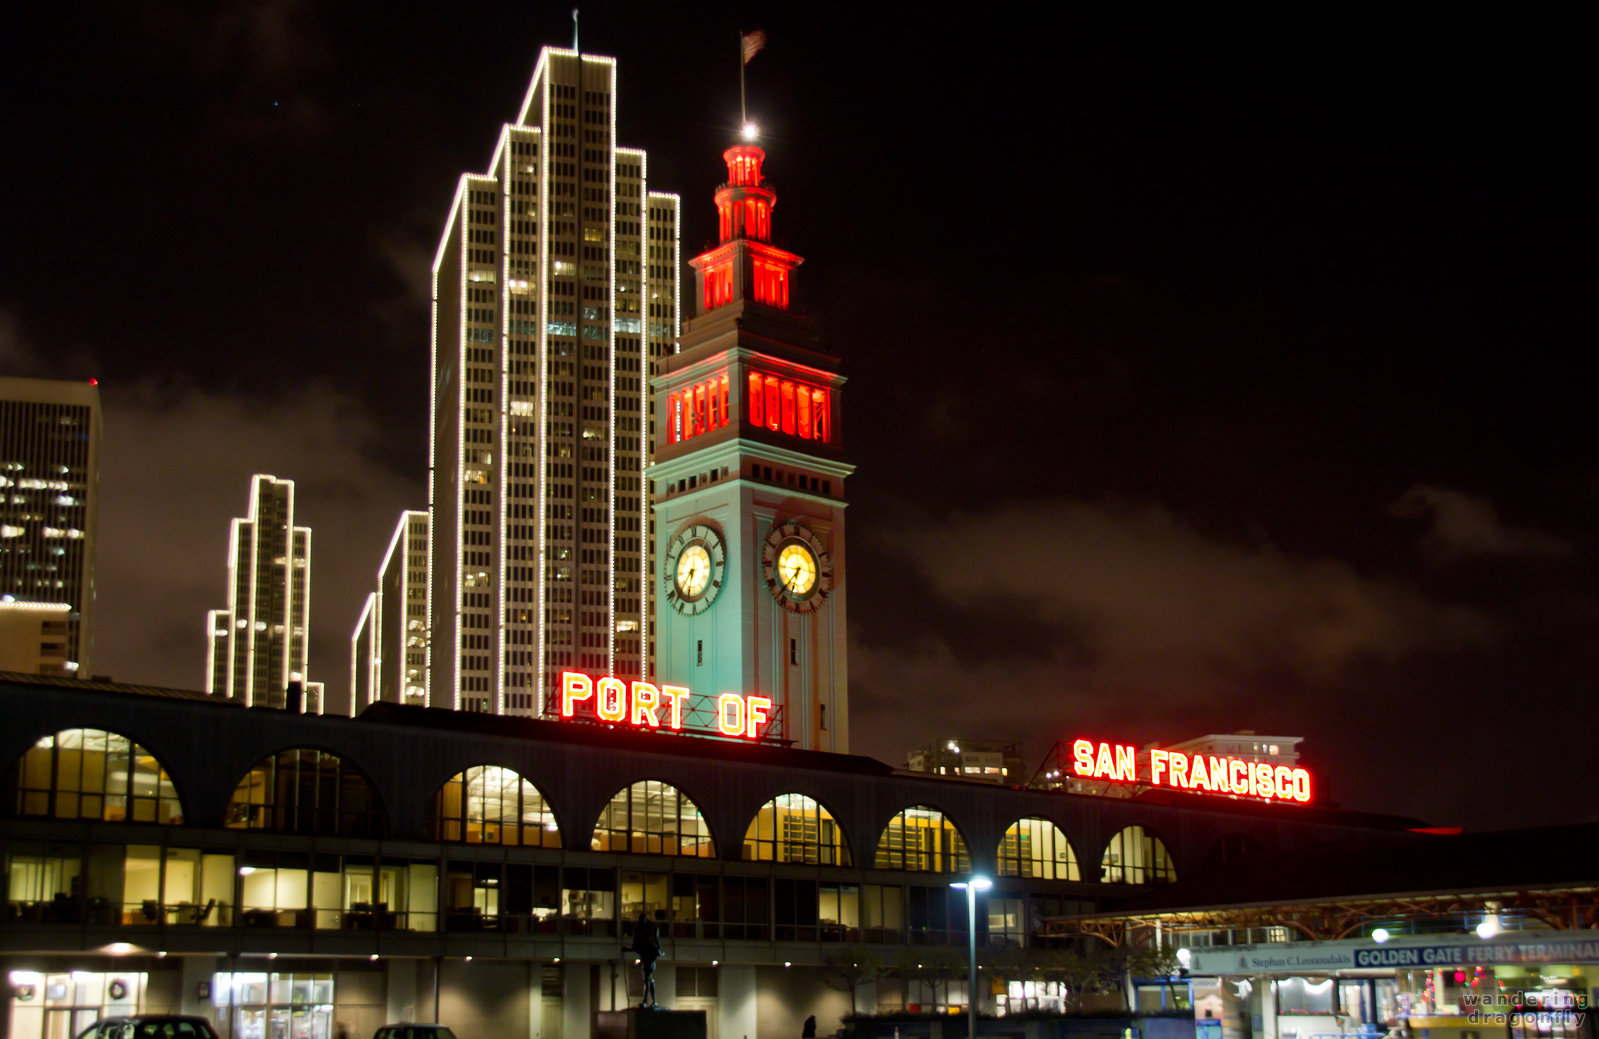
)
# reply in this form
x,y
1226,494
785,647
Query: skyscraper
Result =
x,y
388,650
554,292
50,502
257,646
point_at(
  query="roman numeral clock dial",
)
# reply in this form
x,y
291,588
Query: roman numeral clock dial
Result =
x,y
797,568
695,569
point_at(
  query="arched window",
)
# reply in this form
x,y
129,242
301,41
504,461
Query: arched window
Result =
x,y
921,838
1136,856
94,774
795,828
1037,848
493,805
652,818
306,791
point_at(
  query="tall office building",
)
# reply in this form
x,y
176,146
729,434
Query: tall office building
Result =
x,y
554,293
50,503
257,646
388,650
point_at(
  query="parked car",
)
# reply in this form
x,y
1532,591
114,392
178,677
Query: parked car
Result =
x,y
414,1032
150,1026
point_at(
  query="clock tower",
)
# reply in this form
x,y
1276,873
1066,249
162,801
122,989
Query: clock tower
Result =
x,y
748,484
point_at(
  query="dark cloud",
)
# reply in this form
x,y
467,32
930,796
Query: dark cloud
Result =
x,y
1460,525
176,470
1129,614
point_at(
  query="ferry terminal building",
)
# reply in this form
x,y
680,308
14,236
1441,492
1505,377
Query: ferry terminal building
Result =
x,y
289,874
313,877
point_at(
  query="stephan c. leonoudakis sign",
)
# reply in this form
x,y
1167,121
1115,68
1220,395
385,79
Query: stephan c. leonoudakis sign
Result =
x,y
1194,773
646,705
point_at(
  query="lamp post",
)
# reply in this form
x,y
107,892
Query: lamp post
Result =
x,y
977,883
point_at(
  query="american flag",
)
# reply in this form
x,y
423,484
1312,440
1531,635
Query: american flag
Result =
x,y
751,43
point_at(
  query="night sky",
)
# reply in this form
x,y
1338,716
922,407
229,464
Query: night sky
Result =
x,y
1209,369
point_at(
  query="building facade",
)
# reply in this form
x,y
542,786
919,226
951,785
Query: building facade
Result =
x,y
388,650
256,647
35,637
990,761
749,484
50,503
554,293
258,865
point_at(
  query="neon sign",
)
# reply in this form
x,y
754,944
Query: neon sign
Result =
x,y
1203,773
646,705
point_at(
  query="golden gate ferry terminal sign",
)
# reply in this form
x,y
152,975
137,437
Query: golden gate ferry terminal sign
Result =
x,y
1118,763
646,705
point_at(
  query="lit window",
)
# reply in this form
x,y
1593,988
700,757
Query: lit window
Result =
x,y
795,828
922,839
1037,848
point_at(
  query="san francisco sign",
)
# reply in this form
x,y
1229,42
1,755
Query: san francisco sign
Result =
x,y
1196,773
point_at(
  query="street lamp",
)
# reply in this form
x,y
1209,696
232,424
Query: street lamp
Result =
x,y
977,883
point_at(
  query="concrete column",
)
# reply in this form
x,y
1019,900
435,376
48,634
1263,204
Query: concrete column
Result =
x,y
575,1007
736,1007
193,971
535,999
400,990
666,984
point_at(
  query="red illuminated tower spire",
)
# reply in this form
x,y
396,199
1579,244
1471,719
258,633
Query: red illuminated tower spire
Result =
x,y
748,483
745,265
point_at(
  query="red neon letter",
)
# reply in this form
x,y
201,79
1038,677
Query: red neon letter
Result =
x,y
1179,768
1157,767
1082,757
734,725
1218,775
1237,776
645,698
758,706
1200,779
1260,779
1284,782
1104,764
574,687
677,694
1301,785
1126,762
610,700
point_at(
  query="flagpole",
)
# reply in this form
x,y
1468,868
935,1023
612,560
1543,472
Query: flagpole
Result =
x,y
743,117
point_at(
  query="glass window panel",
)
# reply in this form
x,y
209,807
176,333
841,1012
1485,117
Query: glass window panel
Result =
x,y
492,805
1037,848
306,791
93,774
795,828
653,818
922,839
1136,856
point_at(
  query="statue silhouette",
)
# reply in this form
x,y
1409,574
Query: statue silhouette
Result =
x,y
647,946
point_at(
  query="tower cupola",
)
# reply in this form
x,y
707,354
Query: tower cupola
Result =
x,y
744,265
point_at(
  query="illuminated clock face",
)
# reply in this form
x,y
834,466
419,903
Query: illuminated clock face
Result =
x,y
796,568
695,569
798,572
